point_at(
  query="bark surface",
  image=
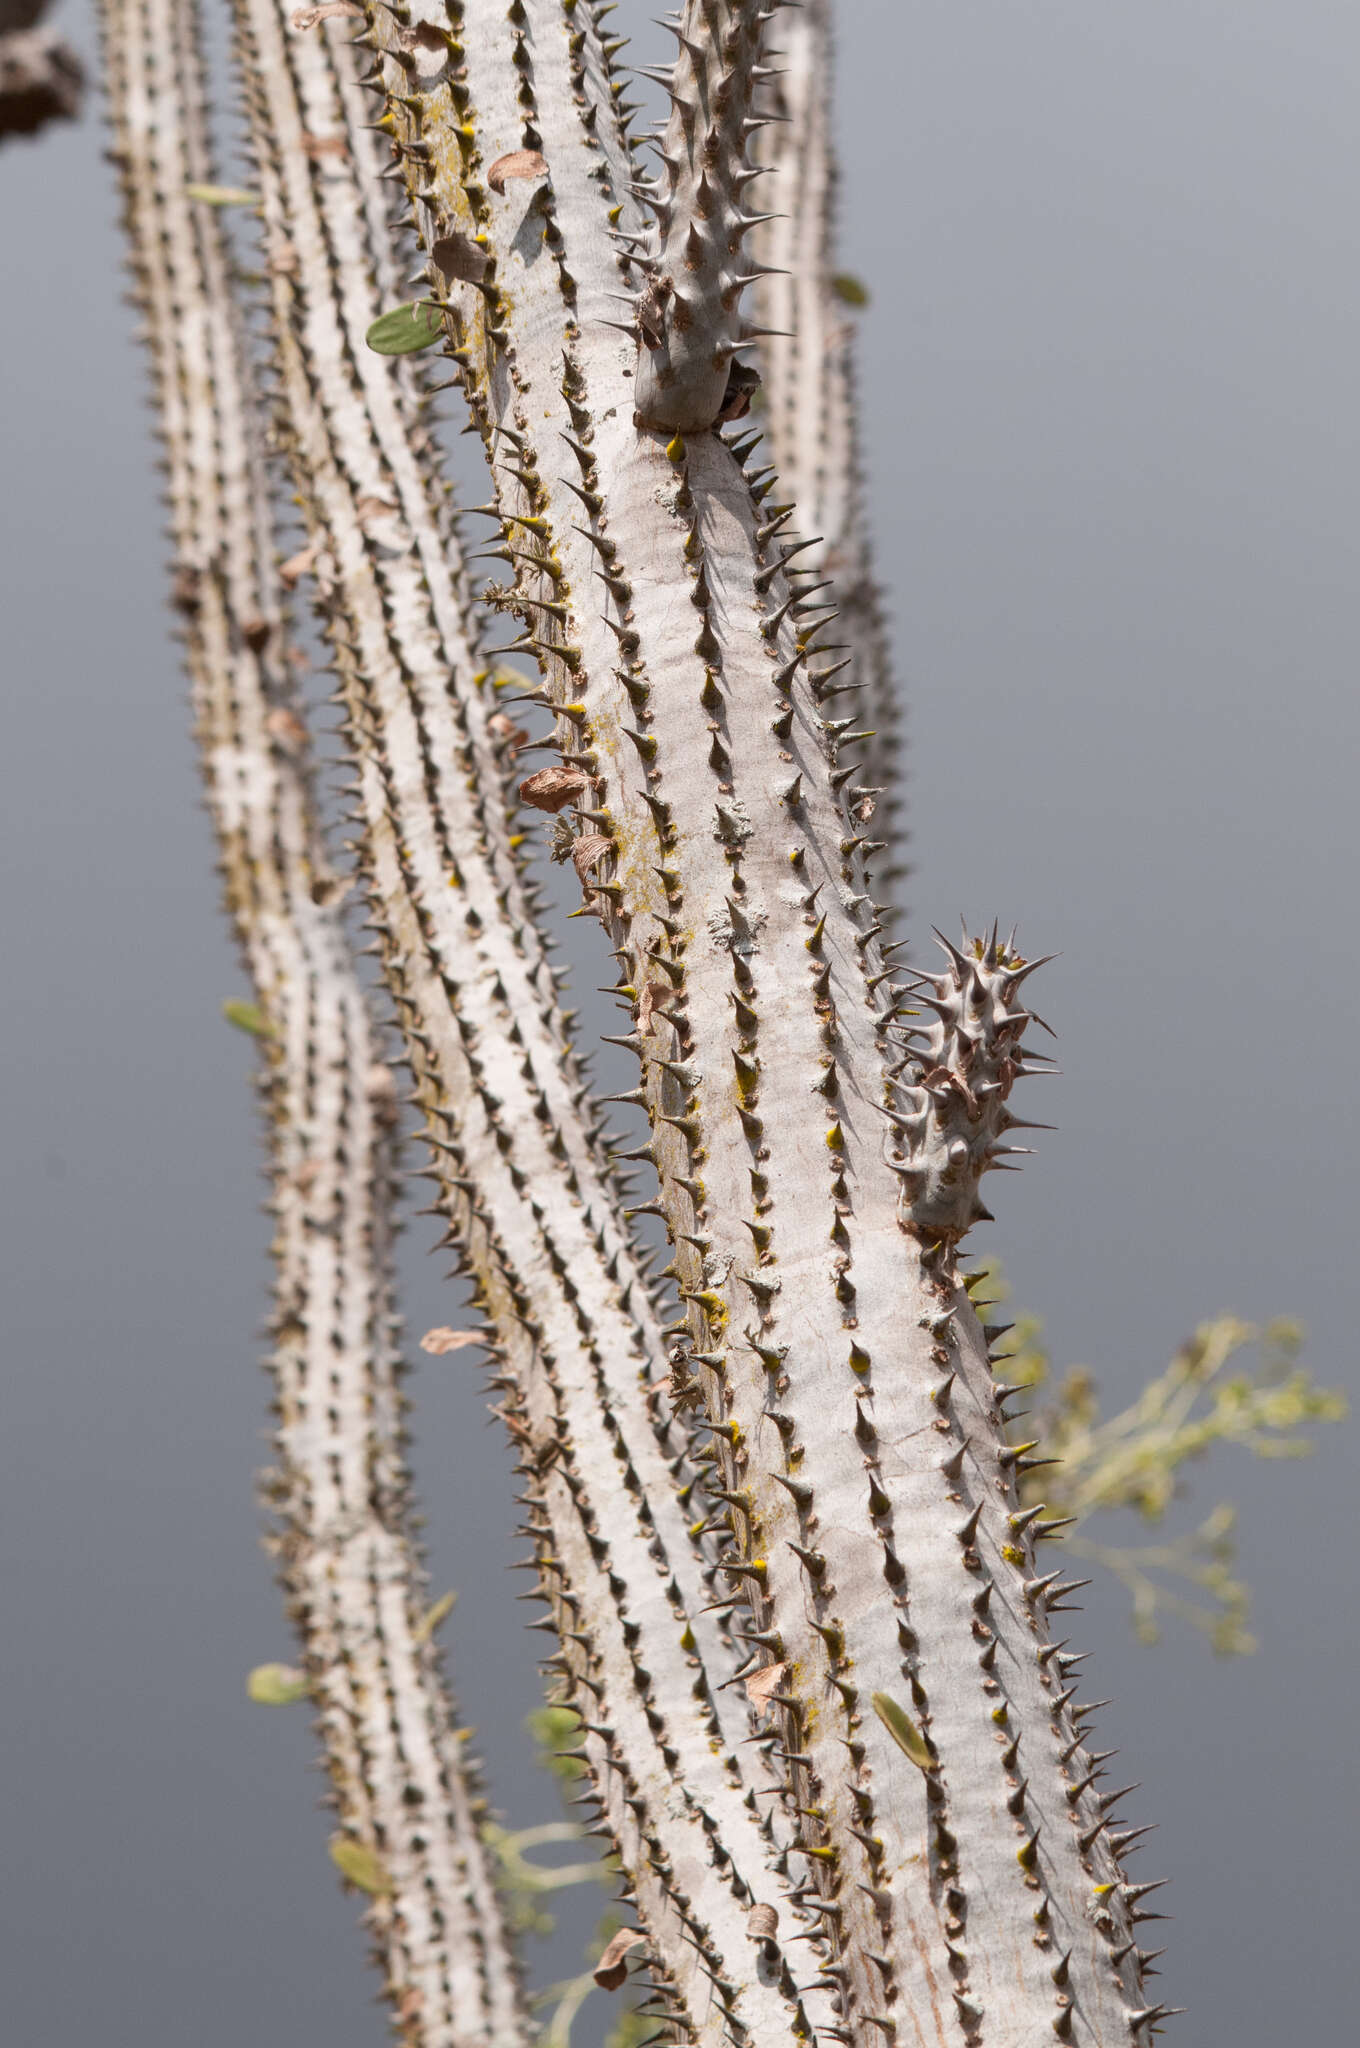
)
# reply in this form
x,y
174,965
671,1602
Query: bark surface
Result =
x,y
795,1103
404,1784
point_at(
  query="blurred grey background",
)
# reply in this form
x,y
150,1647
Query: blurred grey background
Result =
x,y
1113,436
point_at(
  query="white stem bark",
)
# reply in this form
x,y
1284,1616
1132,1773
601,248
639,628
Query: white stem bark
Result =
x,y
811,404
520,1174
875,1519
403,1783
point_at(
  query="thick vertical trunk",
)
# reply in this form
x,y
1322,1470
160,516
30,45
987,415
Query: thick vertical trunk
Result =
x,y
818,1154
403,1782
521,1176
810,405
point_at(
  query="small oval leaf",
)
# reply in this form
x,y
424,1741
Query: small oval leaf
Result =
x,y
850,290
247,1017
361,1865
276,1685
431,1618
221,195
903,1731
405,329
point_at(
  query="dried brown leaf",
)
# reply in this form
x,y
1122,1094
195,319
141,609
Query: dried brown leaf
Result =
x,y
296,567
369,509
438,1342
762,1683
458,257
551,789
612,1968
307,17
517,163
506,731
653,995
317,146
428,45
588,851
380,1087
286,729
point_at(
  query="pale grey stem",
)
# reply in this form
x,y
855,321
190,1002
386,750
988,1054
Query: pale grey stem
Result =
x,y
688,314
811,405
876,1523
403,1783
520,1173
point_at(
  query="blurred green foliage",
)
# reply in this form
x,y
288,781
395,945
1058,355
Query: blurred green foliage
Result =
x,y
1231,1383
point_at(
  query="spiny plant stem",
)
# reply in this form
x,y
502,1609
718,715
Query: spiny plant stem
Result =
x,y
521,1179
403,1783
811,407
815,1161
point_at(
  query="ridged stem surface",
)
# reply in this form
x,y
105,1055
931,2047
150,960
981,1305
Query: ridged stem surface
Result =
x,y
875,1518
689,312
811,397
403,1783
520,1175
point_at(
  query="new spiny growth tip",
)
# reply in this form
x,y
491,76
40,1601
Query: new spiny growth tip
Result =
x,y
688,316
952,1113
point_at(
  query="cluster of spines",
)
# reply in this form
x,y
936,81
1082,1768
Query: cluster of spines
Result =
x,y
688,315
949,1105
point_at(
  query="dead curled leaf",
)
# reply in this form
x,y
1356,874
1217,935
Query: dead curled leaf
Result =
x,y
458,257
438,1342
380,1087
551,789
286,729
612,1968
653,996
588,851
428,45
762,1683
296,567
516,163
506,731
307,17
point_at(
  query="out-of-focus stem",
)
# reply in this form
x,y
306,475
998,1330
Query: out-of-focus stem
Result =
x,y
403,1783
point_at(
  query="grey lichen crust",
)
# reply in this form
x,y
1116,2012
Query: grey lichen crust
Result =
x,y
874,1523
403,1781
609,1489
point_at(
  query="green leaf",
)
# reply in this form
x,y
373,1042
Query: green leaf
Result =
x,y
903,1731
222,195
849,290
430,1620
361,1865
276,1685
247,1017
405,329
